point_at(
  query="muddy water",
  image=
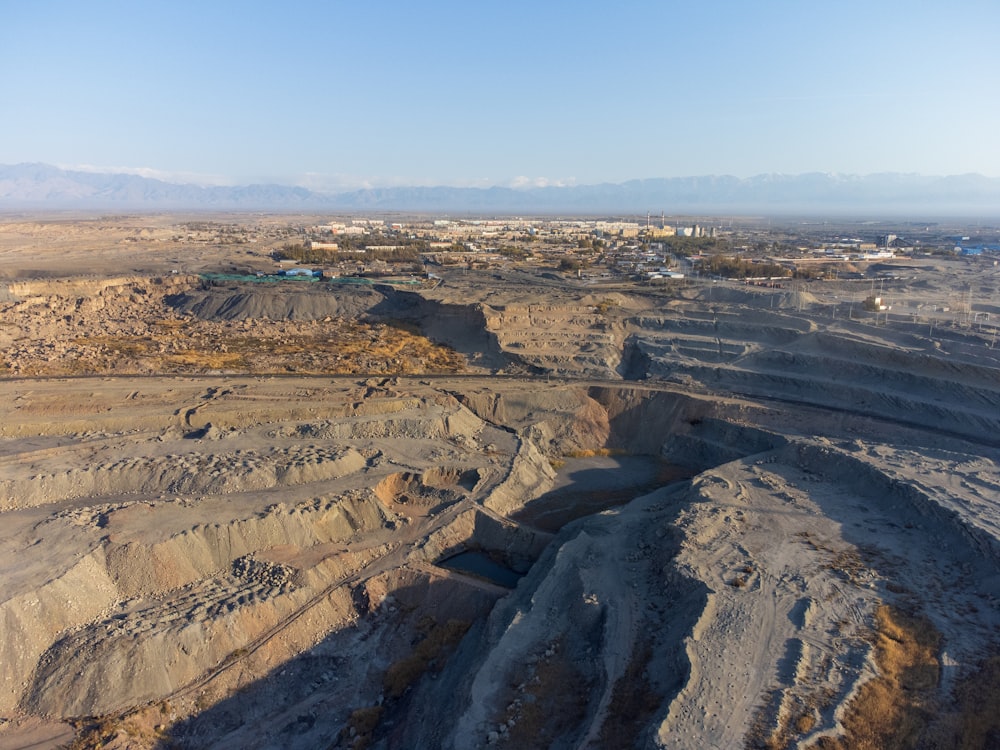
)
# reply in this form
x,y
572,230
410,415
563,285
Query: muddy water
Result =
x,y
481,565
590,485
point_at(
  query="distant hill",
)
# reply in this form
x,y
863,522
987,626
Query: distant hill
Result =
x,y
45,186
41,186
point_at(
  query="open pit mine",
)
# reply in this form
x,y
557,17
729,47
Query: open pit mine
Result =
x,y
495,512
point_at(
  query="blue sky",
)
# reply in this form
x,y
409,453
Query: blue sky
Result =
x,y
342,94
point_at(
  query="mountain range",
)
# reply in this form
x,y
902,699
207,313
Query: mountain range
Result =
x,y
42,186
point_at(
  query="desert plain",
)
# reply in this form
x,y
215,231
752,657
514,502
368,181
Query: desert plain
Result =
x,y
506,508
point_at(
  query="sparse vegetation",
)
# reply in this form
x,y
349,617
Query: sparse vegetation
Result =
x,y
390,250
972,720
605,305
592,452
93,733
850,565
742,578
429,653
572,264
810,273
801,718
686,246
158,343
553,704
732,267
426,655
894,710
359,732
513,252
847,561
633,702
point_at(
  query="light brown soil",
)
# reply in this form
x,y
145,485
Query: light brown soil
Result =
x,y
199,552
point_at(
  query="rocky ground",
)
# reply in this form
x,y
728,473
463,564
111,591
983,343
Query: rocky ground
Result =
x,y
155,325
736,517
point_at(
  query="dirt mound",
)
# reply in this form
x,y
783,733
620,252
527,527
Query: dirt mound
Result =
x,y
729,294
432,487
277,301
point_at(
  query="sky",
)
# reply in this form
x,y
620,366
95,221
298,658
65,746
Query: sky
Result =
x,y
336,95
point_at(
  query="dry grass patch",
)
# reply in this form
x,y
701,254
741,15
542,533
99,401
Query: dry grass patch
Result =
x,y
194,359
594,452
972,720
800,719
200,346
118,345
428,654
436,643
359,733
144,337
894,710
554,705
133,731
633,702
847,562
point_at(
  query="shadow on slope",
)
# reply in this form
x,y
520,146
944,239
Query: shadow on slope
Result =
x,y
326,695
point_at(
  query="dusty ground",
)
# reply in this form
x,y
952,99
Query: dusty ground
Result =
x,y
228,509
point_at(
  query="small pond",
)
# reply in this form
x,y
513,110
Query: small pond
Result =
x,y
483,566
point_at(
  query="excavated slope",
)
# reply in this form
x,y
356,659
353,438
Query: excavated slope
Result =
x,y
139,560
265,561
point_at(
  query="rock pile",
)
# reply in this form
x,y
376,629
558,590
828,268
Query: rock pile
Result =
x,y
262,572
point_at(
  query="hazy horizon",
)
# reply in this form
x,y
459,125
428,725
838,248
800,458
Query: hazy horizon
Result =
x,y
47,187
512,184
